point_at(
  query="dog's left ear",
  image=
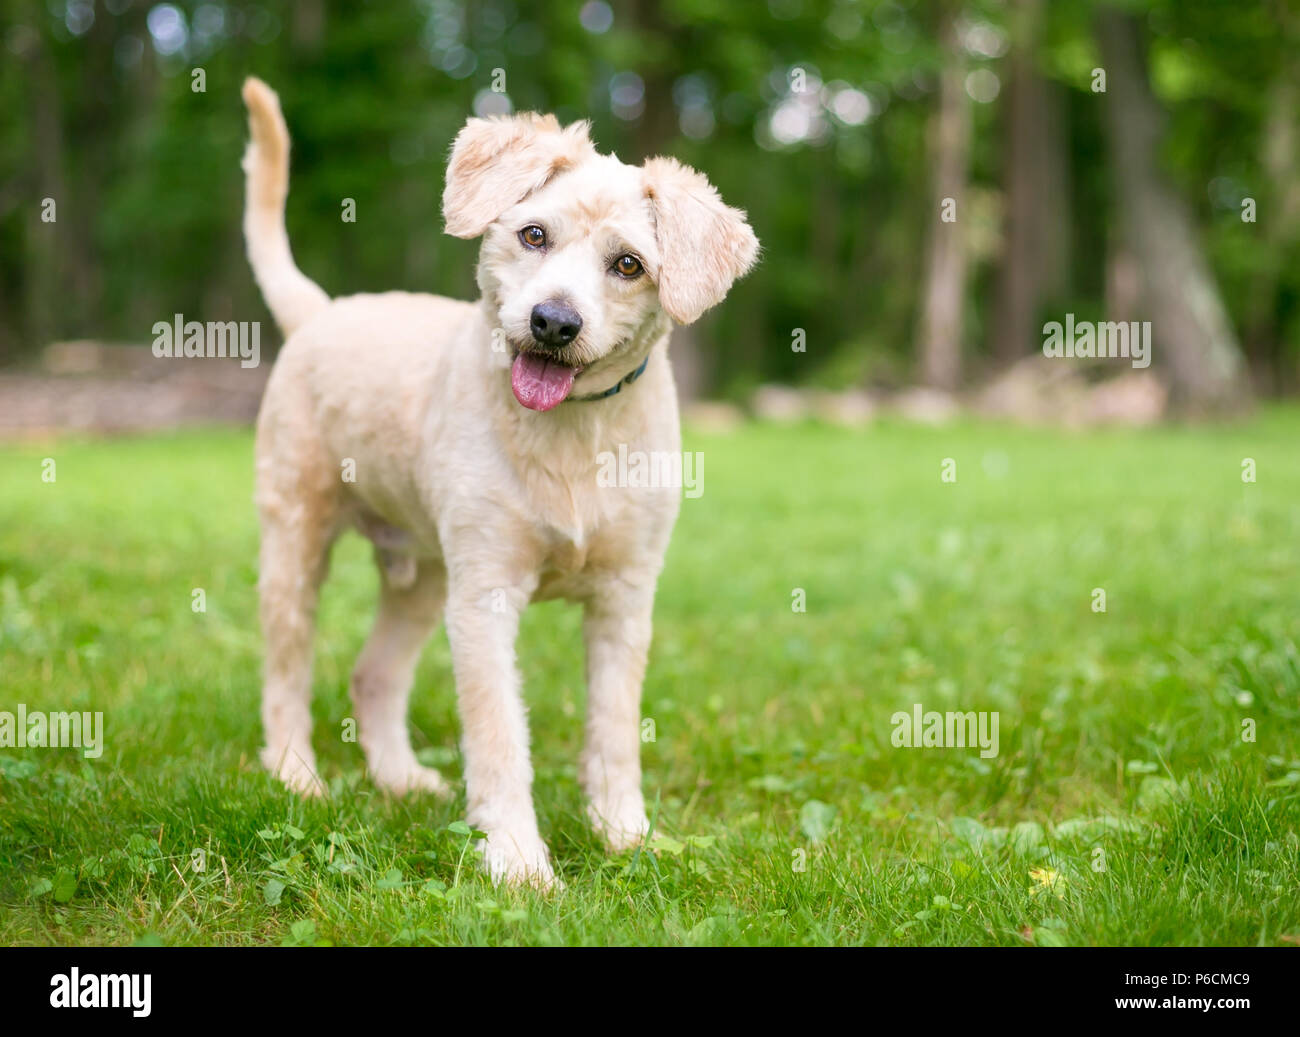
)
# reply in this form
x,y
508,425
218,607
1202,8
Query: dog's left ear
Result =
x,y
704,244
497,162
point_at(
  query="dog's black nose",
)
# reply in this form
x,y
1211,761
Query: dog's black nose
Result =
x,y
555,323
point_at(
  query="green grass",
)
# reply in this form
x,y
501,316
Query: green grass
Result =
x,y
1124,806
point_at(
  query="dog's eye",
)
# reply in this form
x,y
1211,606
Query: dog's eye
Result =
x,y
627,266
533,236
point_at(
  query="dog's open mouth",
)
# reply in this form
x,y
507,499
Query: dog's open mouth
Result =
x,y
540,383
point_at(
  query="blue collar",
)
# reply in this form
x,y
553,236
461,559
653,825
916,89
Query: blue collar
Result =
x,y
615,388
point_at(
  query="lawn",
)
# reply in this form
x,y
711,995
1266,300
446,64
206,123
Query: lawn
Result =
x,y
1128,803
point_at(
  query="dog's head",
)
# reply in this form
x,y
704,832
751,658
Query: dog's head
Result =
x,y
584,258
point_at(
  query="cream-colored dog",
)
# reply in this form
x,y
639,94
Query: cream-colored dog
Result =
x,y
462,439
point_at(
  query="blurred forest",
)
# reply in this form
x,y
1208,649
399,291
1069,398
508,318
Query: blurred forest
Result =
x,y
840,125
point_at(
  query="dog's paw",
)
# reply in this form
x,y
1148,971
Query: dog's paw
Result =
x,y
620,823
296,769
518,862
410,778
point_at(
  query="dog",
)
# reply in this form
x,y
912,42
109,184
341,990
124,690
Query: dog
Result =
x,y
463,438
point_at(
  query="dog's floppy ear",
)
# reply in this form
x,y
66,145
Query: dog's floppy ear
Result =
x,y
497,162
704,244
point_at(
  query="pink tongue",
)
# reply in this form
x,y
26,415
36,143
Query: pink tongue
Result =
x,y
539,383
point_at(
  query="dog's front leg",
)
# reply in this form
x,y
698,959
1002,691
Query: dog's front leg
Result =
x,y
483,612
616,628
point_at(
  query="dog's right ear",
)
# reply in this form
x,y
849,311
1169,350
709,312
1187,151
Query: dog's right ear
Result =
x,y
497,162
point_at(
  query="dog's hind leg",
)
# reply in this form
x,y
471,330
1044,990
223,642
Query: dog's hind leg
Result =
x,y
410,606
298,505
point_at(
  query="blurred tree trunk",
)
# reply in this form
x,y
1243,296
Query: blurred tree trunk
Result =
x,y
307,25
1191,332
1278,230
657,124
944,293
44,283
1123,281
693,371
1035,228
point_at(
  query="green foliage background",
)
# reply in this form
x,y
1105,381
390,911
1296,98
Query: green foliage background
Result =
x,y
145,171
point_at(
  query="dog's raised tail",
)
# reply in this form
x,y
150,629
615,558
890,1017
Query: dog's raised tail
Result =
x,y
292,297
